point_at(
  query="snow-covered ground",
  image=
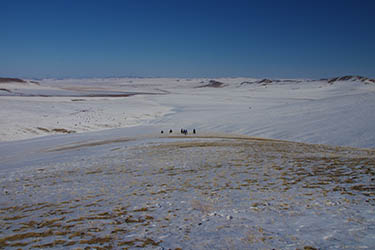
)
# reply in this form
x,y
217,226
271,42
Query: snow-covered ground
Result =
x,y
210,191
338,113
122,184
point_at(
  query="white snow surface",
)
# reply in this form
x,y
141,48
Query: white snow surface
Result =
x,y
84,165
300,110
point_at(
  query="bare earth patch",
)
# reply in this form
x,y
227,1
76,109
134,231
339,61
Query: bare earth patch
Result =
x,y
56,130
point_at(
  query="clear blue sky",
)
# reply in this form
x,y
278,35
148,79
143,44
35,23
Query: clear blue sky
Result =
x,y
279,38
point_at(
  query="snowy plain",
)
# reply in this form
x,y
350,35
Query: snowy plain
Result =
x,y
83,164
339,113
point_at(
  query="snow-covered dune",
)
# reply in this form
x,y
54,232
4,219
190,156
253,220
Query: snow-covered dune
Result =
x,y
336,111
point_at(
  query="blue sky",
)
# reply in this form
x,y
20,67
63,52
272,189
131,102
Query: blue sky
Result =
x,y
279,38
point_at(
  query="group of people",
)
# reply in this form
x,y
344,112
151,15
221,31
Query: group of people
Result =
x,y
183,131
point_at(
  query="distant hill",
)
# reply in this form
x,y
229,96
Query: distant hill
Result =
x,y
213,84
267,81
365,80
7,79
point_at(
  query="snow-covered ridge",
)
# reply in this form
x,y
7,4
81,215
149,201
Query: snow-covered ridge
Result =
x,y
266,81
138,83
8,79
352,78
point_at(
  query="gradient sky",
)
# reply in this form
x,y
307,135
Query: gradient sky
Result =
x,y
172,38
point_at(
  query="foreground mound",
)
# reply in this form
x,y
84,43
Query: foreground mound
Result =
x,y
194,193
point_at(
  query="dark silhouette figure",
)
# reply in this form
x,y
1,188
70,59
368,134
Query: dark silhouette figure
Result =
x,y
162,132
194,131
182,131
170,131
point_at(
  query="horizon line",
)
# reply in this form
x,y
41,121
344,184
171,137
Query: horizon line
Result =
x,y
178,77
